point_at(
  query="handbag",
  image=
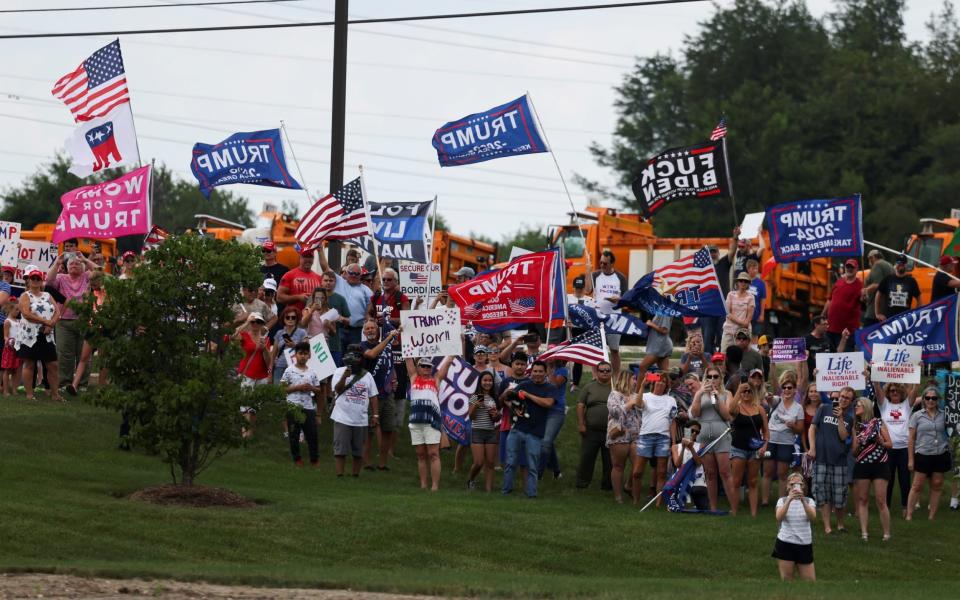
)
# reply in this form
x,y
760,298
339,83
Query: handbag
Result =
x,y
756,442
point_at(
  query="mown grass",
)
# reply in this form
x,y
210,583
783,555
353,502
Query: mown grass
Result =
x,y
64,509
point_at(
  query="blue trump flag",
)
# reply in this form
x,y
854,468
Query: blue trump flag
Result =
x,y
807,229
586,317
685,288
400,229
254,157
932,326
506,130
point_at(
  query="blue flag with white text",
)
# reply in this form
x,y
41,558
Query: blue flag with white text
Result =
x,y
685,288
400,228
254,157
506,130
807,229
586,317
932,326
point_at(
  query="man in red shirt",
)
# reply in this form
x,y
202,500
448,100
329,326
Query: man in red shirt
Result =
x,y
297,285
843,307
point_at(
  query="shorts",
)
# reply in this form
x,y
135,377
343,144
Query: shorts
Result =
x,y
613,341
711,430
247,383
830,484
423,433
388,410
930,464
348,439
871,471
802,554
650,445
742,454
41,350
483,436
781,452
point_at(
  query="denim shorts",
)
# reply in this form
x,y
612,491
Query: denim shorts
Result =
x,y
742,454
651,445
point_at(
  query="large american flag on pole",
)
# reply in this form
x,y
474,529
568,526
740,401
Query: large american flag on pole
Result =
x,y
97,86
588,348
338,216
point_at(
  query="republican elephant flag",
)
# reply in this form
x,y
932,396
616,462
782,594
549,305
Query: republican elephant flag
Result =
x,y
105,142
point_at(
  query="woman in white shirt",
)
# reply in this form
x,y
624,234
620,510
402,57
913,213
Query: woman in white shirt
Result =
x,y
894,401
794,547
657,411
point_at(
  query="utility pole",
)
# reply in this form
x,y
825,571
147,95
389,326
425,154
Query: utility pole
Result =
x,y
338,119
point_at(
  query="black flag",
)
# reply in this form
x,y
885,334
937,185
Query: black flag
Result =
x,y
692,172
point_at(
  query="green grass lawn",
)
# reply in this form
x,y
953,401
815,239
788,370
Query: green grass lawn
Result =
x,y
63,508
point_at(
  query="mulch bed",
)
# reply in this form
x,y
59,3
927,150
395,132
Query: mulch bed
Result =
x,y
198,496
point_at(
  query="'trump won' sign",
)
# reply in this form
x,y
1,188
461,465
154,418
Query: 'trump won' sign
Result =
x,y
807,229
506,130
693,172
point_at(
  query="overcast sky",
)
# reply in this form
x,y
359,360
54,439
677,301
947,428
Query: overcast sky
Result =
x,y
404,81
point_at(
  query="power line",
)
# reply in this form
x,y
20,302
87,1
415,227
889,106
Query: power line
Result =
x,y
499,13
129,6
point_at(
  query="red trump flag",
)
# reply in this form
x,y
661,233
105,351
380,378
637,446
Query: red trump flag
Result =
x,y
518,292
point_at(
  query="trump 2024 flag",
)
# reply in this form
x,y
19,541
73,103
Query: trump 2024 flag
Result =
x,y
506,130
103,142
697,171
254,157
807,229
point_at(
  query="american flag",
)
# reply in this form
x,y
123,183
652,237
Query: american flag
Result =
x,y
156,237
338,216
472,310
522,306
695,270
720,131
587,349
97,86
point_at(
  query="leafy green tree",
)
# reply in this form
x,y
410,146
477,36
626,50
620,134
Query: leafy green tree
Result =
x,y
175,201
815,108
161,337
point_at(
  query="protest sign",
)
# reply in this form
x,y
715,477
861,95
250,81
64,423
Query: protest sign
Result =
x,y
9,240
788,350
932,326
419,280
510,129
254,157
41,254
321,361
691,172
751,224
517,251
901,364
399,228
517,293
807,229
455,391
432,332
105,210
836,370
951,404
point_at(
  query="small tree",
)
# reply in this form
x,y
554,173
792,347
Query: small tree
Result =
x,y
162,337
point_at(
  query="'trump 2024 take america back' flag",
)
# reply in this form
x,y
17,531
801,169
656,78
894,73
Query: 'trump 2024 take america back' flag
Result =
x,y
688,287
506,130
807,229
519,292
254,157
697,171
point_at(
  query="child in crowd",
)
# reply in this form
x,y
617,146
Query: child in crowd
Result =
x,y
10,362
794,547
301,386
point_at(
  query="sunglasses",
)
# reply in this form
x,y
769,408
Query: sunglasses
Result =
x,y
353,273
604,370
933,398
290,318
741,337
713,377
786,387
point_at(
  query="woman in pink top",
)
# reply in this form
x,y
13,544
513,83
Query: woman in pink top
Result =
x,y
740,305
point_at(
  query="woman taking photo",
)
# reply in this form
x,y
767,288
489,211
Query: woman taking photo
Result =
x,y
255,366
871,445
623,428
929,451
794,547
483,443
657,410
740,303
786,423
748,441
38,316
894,402
289,335
693,360
710,408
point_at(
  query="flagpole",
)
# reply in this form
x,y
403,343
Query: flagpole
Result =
x,y
150,200
293,153
916,260
553,282
553,154
133,121
726,166
376,246
566,305
700,453
433,228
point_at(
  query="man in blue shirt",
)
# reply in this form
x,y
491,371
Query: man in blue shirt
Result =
x,y
528,405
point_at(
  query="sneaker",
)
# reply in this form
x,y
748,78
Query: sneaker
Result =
x,y
471,485
286,435
954,503
557,476
21,389
298,462
302,439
